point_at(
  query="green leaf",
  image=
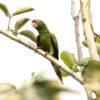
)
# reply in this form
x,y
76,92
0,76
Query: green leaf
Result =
x,y
29,34
5,10
91,76
97,46
22,10
70,60
84,43
20,23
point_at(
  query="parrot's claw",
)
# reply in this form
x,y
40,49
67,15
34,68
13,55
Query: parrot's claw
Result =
x,y
47,53
37,49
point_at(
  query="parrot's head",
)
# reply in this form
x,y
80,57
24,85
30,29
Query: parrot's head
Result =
x,y
38,24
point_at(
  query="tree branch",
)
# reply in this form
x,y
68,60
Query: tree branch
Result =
x,y
42,53
88,28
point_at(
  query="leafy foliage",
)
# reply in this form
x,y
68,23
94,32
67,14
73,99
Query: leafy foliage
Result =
x,y
5,10
69,59
19,23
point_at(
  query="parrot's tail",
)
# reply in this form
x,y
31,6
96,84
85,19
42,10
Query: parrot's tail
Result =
x,y
58,72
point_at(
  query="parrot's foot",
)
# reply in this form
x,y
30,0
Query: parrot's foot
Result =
x,y
37,49
47,53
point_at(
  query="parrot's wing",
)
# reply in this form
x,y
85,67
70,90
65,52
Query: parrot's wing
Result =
x,y
55,45
38,41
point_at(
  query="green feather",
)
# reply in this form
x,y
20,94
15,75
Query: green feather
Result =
x,y
55,46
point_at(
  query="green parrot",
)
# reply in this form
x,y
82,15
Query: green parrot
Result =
x,y
48,42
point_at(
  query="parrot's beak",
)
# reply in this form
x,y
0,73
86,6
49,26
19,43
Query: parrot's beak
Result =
x,y
34,24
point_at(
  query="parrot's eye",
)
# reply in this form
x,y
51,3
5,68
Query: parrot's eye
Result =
x,y
34,24
34,21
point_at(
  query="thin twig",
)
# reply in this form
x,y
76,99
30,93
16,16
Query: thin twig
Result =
x,y
79,48
9,24
77,33
44,54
